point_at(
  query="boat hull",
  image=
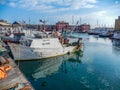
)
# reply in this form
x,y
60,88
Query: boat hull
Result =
x,y
101,35
90,33
22,53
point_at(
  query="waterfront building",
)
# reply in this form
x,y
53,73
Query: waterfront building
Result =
x,y
117,24
82,28
62,25
50,27
85,27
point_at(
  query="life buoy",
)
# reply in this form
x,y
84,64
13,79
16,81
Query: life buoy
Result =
x,y
3,74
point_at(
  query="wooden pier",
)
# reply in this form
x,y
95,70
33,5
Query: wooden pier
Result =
x,y
14,77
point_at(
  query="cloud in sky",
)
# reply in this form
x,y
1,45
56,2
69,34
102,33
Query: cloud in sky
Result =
x,y
116,2
62,10
2,1
53,5
90,18
12,4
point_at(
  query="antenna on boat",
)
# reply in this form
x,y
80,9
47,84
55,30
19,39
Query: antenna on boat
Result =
x,y
74,27
43,22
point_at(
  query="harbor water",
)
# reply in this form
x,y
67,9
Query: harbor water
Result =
x,y
95,67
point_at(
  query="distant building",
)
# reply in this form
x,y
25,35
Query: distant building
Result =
x,y
71,27
117,23
4,25
82,28
16,26
62,25
85,27
50,27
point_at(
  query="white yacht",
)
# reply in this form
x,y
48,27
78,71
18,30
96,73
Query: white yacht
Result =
x,y
38,48
106,34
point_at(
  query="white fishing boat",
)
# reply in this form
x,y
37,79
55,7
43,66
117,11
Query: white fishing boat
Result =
x,y
38,48
116,35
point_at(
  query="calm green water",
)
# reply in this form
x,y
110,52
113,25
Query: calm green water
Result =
x,y
96,67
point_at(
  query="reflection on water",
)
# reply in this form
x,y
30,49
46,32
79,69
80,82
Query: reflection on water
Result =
x,y
94,39
77,57
43,68
46,68
116,43
116,47
96,67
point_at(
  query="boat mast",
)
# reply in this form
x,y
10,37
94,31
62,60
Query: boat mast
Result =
x,y
73,20
43,23
29,22
80,21
29,25
97,23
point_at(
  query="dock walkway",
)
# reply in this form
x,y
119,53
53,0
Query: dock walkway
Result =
x,y
14,76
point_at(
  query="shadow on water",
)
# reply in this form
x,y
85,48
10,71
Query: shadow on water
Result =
x,y
116,43
77,57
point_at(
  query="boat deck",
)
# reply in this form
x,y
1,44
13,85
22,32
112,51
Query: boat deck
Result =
x,y
14,76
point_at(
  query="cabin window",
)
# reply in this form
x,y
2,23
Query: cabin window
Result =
x,y
28,42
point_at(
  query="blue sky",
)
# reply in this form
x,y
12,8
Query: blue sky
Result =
x,y
90,11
